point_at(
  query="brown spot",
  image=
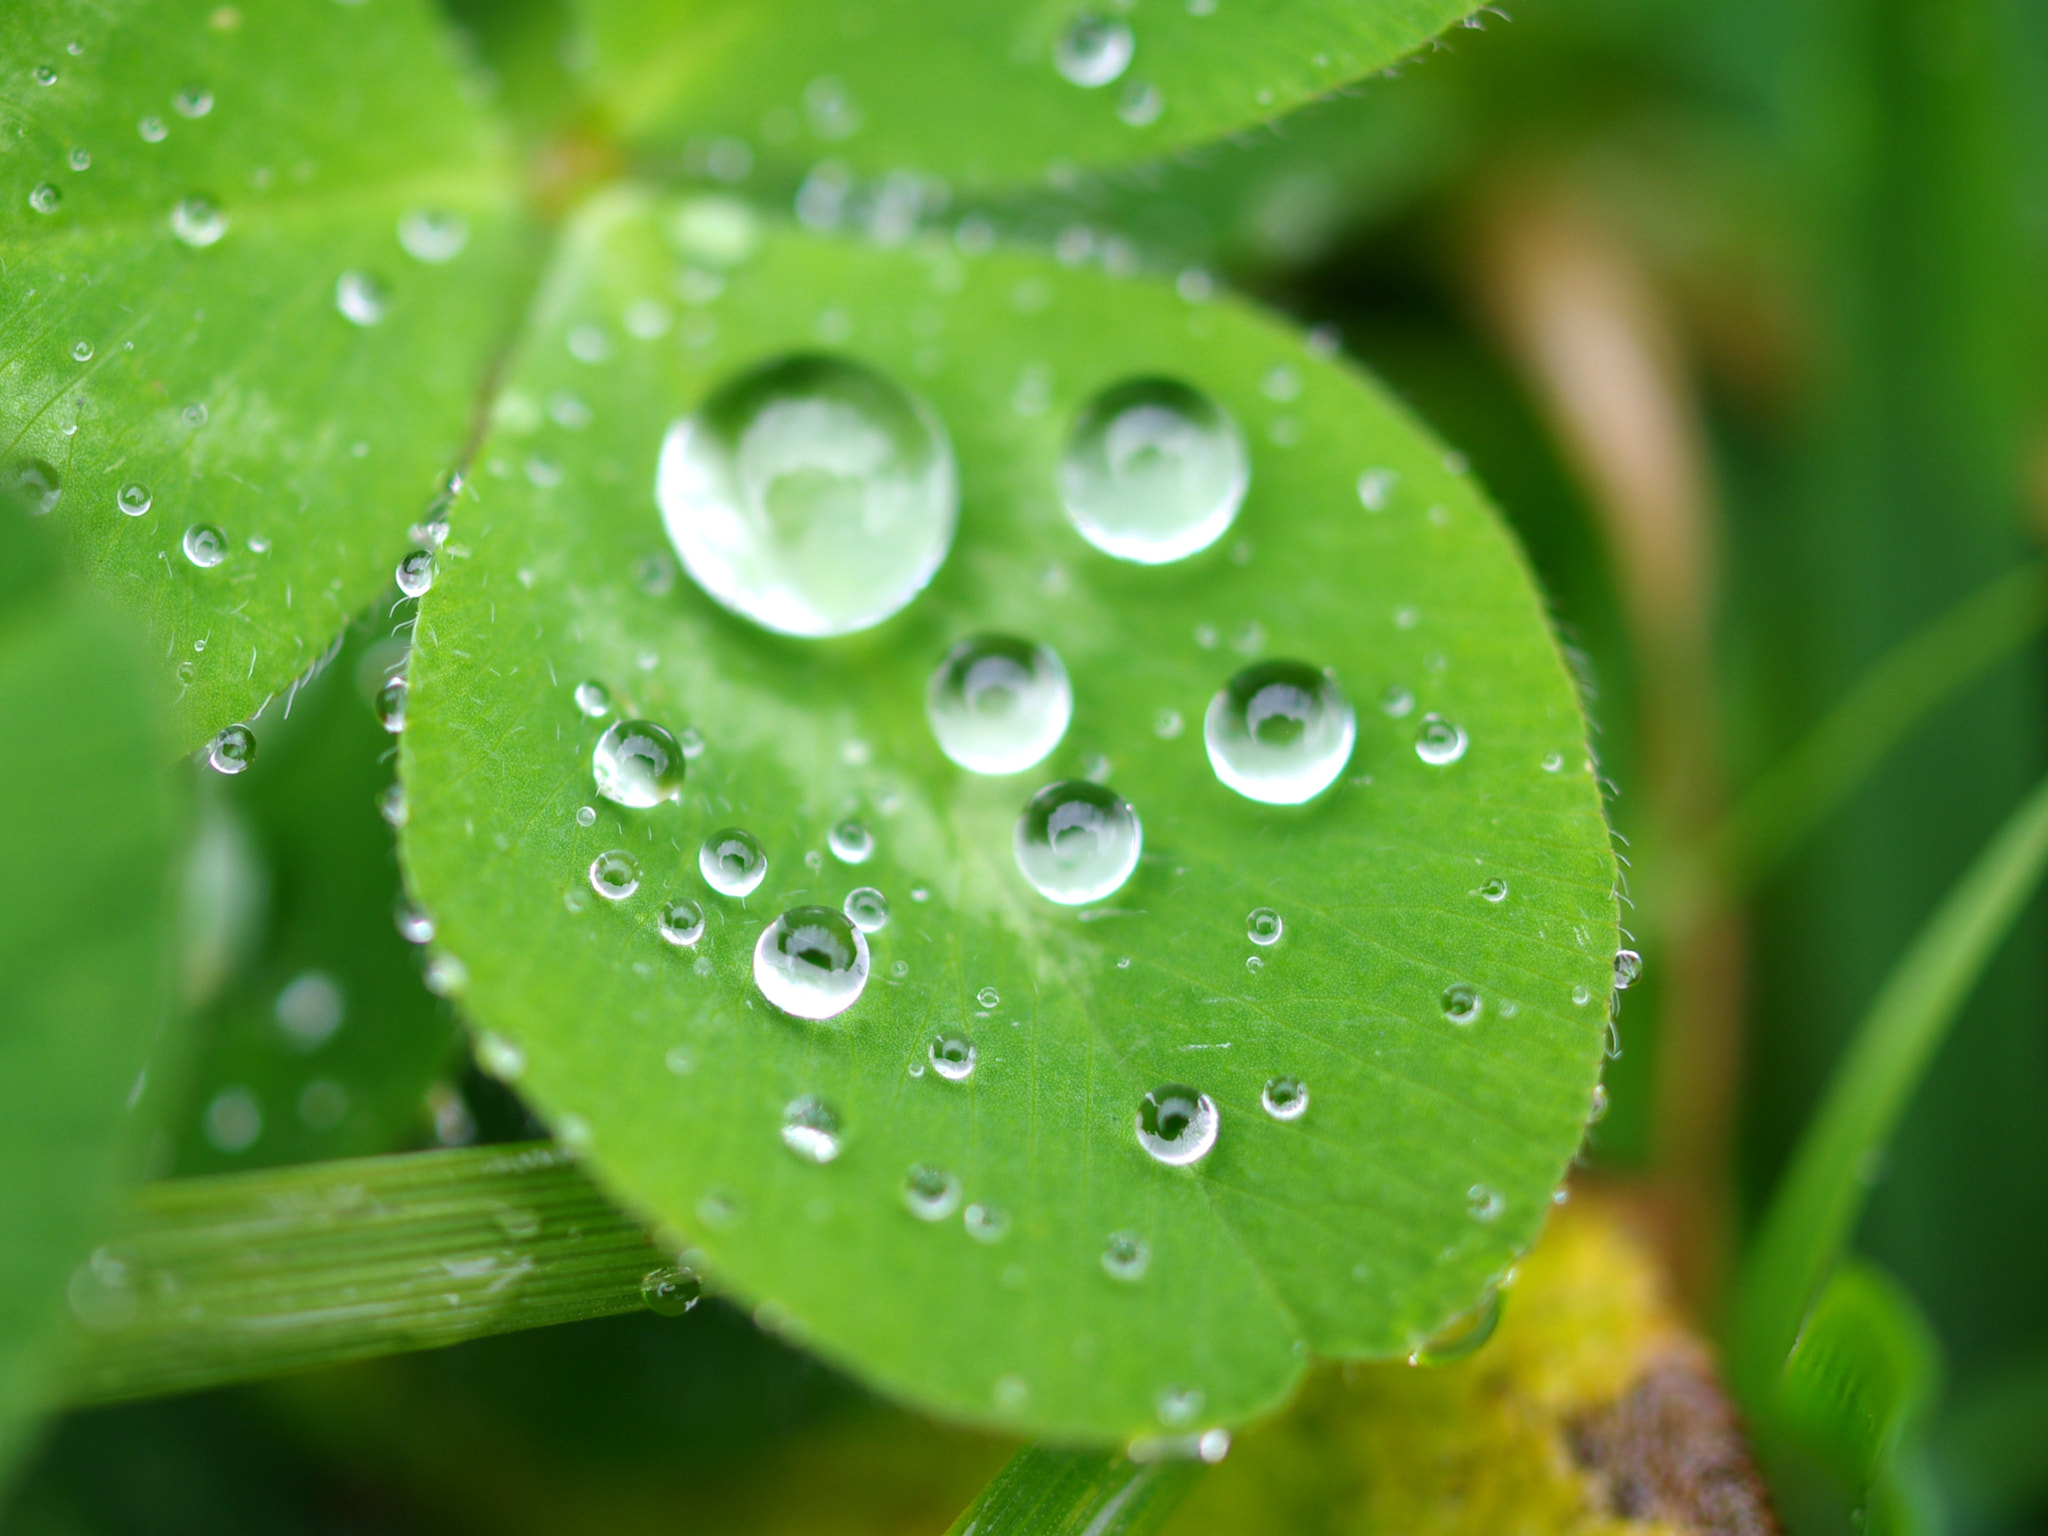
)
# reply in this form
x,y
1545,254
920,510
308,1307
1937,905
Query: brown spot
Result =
x,y
1672,1449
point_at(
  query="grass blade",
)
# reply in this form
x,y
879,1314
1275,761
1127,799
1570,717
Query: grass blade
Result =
x,y
1050,1491
1823,1193
238,1276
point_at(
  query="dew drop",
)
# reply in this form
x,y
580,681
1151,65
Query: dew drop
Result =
x,y
851,843
361,298
811,495
1439,742
500,1058
1553,762
133,498
81,351
1285,1098
39,486
586,815
682,922
931,1193
988,997
205,545
1153,471
197,222
952,1057
998,704
152,130
80,159
1483,1203
810,1129
1140,104
594,700
415,573
390,705
1462,1337
192,103
733,862
986,1223
1397,703
45,75
413,924
811,962
639,764
432,235
1495,889
46,197
1176,1125
1126,1256
671,1290
868,909
614,875
1263,926
233,750
1628,969
1091,51
1077,842
1279,732
1178,1406
392,805
1462,1003
1598,1111
1581,995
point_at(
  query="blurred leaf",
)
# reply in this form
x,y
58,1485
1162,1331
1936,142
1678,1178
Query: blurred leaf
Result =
x,y
1431,1149
973,91
186,201
1048,1491
84,909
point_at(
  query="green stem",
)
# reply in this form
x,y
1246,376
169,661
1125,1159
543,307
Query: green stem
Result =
x,y
1049,1491
229,1278
1822,1195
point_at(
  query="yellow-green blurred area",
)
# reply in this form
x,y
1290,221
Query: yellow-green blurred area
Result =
x,y
1740,311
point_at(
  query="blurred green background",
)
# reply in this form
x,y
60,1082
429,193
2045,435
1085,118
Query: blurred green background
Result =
x,y
1741,311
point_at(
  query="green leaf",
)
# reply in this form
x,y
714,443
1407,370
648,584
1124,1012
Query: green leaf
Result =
x,y
83,932
972,91
1348,1232
1046,1490
1816,1205
223,379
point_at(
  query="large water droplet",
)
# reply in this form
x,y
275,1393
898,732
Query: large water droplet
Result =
x,y
682,922
733,861
133,498
432,235
868,908
811,962
1077,842
931,1193
671,1290
1439,742
415,574
810,1129
614,875
39,486
851,843
1091,51
233,750
1153,471
197,222
1176,1124
1279,732
205,545
593,700
637,763
952,1057
811,495
998,704
1126,1256
1285,1098
1461,1003
1263,926
361,299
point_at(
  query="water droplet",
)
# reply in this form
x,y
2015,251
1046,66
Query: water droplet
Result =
x,y
193,102
133,498
998,704
393,806
1178,1405
692,740
931,1193
1279,732
46,197
1483,1203
733,862
679,1060
831,110
1263,926
811,495
414,925
868,909
1126,1256
1462,1337
432,235
81,159
45,75
1092,52
1285,1098
1581,995
205,545
1076,842
952,1057
810,1129
671,1290
1598,1111
1140,104
586,815
197,222
415,573
594,700
309,1009
1397,703
1153,471
39,486
682,922
361,298
153,131
985,1223
1553,762
614,875
988,997
1462,1003
390,705
851,843
1628,969
233,750
195,414
639,764
1439,742
811,962
1495,889
1167,724
499,1058
233,1120
1176,1124
81,351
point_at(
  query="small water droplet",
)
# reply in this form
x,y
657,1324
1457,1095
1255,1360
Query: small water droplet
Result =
x,y
1439,742
1126,1256
1279,732
614,875
1167,724
390,705
1462,1337
682,922
81,351
234,1120
639,764
931,1193
810,1129
1176,1124
39,486
133,498
998,704
499,1058
811,962
393,806
952,1057
1397,703
1077,842
46,197
586,815
1091,51
414,925
1495,889
811,495
868,909
1153,470
1553,762
233,750
1462,1003
1598,1111
986,1223
1581,995
196,221
195,414
80,159
193,102
988,997
432,235
1140,104
671,1290
45,75
1263,926
679,1060
831,110
1483,1203
152,130
205,545
1285,1098
851,843
415,573
361,298
1628,969
594,700
732,861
